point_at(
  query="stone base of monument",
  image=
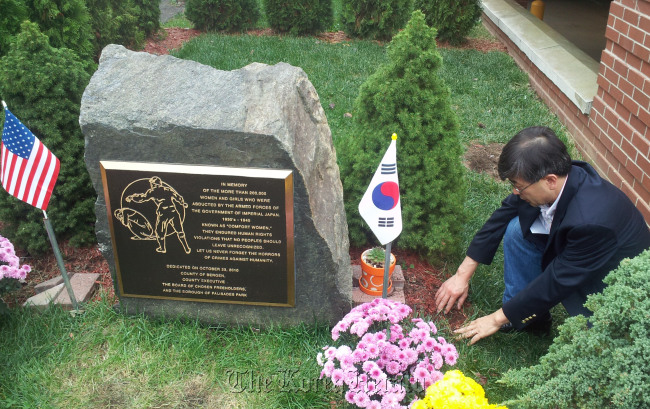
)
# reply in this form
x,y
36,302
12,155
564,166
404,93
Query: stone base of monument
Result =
x,y
53,291
359,297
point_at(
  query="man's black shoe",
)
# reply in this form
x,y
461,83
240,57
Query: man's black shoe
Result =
x,y
540,326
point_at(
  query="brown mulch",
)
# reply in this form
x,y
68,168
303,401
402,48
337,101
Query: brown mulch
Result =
x,y
75,260
481,44
422,280
173,38
169,39
334,37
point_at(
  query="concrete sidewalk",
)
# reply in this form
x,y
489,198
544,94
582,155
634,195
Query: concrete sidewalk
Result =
x,y
170,9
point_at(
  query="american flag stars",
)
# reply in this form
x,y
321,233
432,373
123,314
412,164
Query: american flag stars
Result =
x,y
17,138
28,170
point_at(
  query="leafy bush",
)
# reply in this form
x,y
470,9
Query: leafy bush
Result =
x,y
229,15
66,23
452,18
43,85
13,13
606,366
375,19
148,15
123,22
407,96
299,16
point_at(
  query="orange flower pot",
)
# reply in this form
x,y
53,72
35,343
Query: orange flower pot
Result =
x,y
371,281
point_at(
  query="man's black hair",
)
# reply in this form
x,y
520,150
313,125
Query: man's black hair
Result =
x,y
532,154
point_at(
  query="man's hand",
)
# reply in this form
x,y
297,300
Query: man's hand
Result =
x,y
483,327
456,288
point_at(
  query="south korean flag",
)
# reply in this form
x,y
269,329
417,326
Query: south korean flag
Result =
x,y
380,206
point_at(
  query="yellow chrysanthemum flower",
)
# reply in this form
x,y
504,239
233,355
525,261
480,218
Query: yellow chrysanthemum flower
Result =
x,y
455,391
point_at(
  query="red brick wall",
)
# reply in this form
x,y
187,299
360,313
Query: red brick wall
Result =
x,y
620,115
614,136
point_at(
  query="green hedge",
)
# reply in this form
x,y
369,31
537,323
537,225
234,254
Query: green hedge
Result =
x,y
375,19
228,15
42,86
606,366
299,16
128,22
13,13
67,23
453,19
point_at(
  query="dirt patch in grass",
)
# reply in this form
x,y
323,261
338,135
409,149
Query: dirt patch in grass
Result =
x,y
483,158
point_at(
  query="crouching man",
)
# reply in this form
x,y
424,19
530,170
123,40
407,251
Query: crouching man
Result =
x,y
563,229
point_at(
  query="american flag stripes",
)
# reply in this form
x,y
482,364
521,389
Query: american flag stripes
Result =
x,y
28,170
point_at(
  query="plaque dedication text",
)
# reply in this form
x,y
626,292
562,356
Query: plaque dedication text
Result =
x,y
201,233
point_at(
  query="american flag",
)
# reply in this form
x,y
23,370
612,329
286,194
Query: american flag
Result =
x,y
28,170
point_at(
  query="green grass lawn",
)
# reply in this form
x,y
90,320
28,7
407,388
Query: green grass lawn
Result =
x,y
102,359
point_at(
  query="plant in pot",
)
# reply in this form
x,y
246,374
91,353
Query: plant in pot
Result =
x,y
371,281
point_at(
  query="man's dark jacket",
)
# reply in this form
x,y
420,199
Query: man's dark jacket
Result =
x,y
595,227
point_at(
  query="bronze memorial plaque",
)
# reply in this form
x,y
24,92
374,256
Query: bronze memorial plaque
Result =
x,y
201,233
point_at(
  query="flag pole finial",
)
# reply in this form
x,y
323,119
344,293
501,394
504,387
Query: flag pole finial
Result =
x,y
4,104
394,137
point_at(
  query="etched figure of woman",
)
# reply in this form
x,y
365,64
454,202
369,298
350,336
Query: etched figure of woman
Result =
x,y
170,212
136,222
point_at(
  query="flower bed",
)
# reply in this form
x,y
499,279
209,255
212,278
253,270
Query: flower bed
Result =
x,y
383,358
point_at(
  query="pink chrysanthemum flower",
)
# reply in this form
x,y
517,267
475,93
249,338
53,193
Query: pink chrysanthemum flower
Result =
x,y
368,366
373,350
393,368
374,404
328,368
361,399
433,328
451,358
428,344
338,376
349,396
436,360
376,373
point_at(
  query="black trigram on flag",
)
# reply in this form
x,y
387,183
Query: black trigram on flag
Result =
x,y
386,222
388,168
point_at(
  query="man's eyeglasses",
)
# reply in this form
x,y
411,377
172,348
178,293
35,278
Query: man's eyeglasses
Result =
x,y
516,189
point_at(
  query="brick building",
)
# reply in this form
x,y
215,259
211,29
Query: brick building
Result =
x,y
604,105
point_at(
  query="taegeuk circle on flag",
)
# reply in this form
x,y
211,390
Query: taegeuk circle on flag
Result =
x,y
385,196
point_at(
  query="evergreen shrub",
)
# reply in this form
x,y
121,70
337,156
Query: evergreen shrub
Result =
x,y
453,19
66,23
148,15
228,15
299,16
407,96
42,86
375,19
606,366
13,13
128,23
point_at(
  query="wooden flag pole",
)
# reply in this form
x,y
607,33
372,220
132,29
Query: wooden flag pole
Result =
x,y
384,291
59,261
